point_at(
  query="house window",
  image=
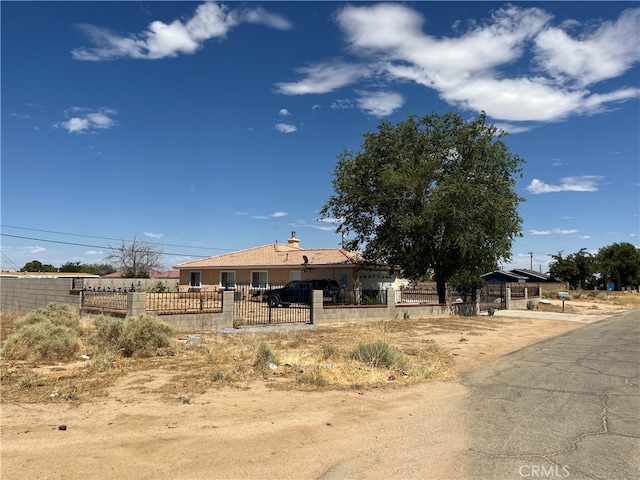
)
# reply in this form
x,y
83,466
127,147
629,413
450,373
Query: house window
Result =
x,y
228,279
259,279
194,280
295,275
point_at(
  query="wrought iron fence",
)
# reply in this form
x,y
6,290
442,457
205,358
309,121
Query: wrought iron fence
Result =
x,y
100,301
184,302
250,307
428,297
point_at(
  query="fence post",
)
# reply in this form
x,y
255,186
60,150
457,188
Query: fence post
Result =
x,y
315,309
136,303
507,298
228,308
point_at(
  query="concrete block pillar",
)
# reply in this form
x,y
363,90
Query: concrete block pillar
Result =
x,y
317,305
136,304
507,300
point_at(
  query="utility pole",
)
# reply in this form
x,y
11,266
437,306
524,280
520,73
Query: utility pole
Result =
x,y
531,257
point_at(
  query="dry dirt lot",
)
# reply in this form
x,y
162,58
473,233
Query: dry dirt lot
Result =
x,y
156,421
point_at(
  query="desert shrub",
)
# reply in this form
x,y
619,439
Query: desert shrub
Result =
x,y
378,354
329,351
238,322
108,332
56,313
491,311
42,340
531,305
264,355
312,378
431,346
145,336
31,380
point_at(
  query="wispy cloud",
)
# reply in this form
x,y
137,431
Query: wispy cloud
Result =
x,y
279,214
390,45
286,128
85,120
153,235
379,104
94,252
583,183
558,231
161,40
284,112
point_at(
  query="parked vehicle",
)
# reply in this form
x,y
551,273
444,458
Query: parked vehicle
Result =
x,y
299,291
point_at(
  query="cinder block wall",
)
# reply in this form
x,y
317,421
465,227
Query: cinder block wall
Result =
x,y
30,293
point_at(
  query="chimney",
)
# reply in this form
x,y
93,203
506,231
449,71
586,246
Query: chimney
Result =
x,y
293,241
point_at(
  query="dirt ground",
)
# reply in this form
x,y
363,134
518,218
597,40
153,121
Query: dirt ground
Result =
x,y
254,431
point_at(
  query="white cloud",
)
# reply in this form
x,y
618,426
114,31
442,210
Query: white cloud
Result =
x,y
323,78
379,104
34,249
540,232
468,70
261,16
94,252
161,40
604,53
584,237
154,235
84,120
284,112
583,183
279,214
564,232
286,128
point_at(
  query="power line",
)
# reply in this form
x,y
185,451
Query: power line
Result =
x,y
115,239
93,246
9,261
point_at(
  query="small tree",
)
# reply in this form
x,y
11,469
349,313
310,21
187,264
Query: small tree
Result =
x,y
429,194
136,259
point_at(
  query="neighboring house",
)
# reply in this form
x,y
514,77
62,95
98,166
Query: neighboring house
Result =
x,y
277,264
516,275
168,275
501,276
531,275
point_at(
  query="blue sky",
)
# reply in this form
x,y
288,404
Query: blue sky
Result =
x,y
210,127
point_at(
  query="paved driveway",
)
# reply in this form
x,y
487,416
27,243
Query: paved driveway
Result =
x,y
568,407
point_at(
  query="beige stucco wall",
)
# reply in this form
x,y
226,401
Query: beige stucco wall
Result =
x,y
210,278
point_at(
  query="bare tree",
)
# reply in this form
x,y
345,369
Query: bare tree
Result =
x,y
136,259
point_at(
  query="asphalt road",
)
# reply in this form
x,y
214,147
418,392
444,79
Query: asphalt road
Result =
x,y
568,407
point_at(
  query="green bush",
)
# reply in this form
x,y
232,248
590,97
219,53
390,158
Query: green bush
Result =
x,y
531,305
56,313
491,311
42,340
378,354
145,336
108,332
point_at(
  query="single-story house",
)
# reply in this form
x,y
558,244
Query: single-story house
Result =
x,y
531,275
277,264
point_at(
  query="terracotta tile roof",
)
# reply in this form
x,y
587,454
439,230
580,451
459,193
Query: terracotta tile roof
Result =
x,y
275,255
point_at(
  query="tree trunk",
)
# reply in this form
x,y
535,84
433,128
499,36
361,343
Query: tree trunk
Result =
x,y
441,288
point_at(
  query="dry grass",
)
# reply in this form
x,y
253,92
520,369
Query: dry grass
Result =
x,y
306,359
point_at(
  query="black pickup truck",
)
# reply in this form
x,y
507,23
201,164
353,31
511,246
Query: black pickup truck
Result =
x,y
299,291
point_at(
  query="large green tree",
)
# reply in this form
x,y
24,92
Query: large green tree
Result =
x,y
37,266
429,194
619,263
577,269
